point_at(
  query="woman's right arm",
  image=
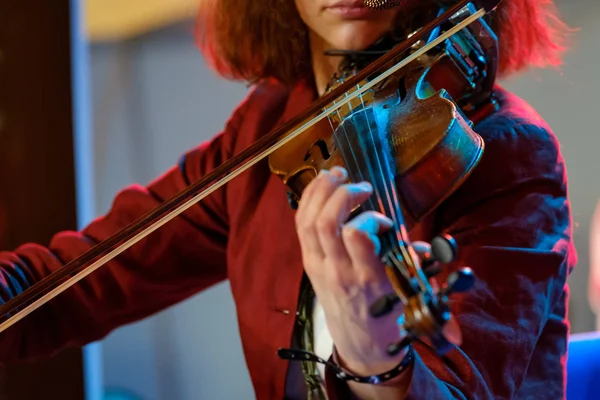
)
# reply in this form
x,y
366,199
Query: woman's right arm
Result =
x,y
181,258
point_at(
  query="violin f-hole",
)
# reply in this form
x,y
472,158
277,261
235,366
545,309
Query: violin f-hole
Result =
x,y
322,147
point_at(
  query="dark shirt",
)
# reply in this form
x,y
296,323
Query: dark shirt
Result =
x,y
511,220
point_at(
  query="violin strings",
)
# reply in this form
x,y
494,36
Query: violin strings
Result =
x,y
389,241
372,161
396,241
383,193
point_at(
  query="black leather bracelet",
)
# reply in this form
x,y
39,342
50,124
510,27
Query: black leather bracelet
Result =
x,y
343,374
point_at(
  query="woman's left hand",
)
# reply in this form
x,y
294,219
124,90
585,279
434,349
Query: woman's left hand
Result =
x,y
341,259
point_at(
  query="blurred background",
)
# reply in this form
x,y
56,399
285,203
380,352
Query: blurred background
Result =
x,y
142,95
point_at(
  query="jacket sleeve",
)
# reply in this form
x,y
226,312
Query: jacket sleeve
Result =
x,y
511,220
176,261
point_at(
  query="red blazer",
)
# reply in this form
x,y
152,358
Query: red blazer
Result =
x,y
511,220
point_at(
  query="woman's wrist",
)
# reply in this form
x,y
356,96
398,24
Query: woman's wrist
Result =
x,y
363,368
376,372
379,382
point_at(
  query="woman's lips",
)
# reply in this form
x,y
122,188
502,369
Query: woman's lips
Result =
x,y
350,9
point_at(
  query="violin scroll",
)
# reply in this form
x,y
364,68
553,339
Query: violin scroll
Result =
x,y
426,312
447,333
443,251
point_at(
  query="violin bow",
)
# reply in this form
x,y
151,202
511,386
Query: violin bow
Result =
x,y
77,269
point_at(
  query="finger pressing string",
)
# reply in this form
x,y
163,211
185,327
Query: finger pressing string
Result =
x,y
339,172
315,196
361,239
333,215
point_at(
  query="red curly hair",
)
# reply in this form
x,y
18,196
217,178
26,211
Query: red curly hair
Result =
x,y
268,39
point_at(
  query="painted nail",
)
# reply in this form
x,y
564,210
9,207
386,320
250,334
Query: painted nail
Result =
x,y
339,172
365,186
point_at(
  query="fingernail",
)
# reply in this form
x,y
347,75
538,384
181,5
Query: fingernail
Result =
x,y
388,222
366,186
339,172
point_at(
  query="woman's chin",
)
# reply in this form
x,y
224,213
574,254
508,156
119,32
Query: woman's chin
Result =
x,y
353,39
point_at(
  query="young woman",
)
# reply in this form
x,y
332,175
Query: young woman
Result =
x,y
511,220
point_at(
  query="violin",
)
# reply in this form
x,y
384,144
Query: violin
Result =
x,y
408,136
401,122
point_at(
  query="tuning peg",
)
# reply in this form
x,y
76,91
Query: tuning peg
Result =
x,y
384,305
443,251
459,281
431,269
387,303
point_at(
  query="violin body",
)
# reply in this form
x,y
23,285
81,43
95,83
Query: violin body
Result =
x,y
422,109
432,144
